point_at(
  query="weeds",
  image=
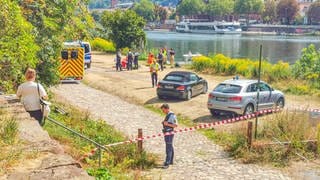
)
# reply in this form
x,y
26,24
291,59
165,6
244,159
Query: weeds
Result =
x,y
8,130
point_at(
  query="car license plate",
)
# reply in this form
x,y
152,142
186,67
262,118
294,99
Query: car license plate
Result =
x,y
168,86
221,99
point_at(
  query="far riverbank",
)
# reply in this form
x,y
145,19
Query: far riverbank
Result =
x,y
275,47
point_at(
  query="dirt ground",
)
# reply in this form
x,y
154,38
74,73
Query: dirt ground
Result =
x,y
135,87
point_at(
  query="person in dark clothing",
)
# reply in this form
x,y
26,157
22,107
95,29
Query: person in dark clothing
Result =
x,y
130,60
172,53
118,61
135,60
160,59
169,123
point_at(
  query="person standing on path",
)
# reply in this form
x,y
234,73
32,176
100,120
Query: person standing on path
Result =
x,y
169,123
129,60
172,53
118,61
160,59
154,68
30,93
135,60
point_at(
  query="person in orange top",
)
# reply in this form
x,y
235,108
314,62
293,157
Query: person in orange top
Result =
x,y
150,58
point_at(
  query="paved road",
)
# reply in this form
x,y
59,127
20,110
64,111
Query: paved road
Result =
x,y
196,157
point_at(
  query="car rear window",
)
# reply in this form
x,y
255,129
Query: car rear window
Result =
x,y
227,88
175,77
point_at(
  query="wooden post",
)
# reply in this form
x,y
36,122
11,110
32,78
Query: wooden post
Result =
x,y
140,142
249,134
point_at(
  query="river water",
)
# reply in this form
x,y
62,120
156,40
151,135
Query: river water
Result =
x,y
274,48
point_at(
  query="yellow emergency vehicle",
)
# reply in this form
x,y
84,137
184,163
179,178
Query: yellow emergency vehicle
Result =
x,y
71,62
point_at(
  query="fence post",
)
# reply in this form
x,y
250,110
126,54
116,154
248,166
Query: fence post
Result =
x,y
249,134
140,141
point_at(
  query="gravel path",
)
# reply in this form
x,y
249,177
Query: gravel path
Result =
x,y
195,156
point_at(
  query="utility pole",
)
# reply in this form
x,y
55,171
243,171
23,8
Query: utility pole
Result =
x,y
258,93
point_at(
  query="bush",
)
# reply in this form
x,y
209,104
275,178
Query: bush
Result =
x,y
308,66
99,44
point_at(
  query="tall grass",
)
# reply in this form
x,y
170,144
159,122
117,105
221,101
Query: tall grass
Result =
x,y
286,126
100,44
118,161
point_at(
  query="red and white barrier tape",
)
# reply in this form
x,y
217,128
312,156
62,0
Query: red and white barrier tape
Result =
x,y
201,126
187,129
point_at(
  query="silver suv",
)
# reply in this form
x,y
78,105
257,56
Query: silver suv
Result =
x,y
240,97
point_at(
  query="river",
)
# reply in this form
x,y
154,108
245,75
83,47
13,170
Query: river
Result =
x,y
274,48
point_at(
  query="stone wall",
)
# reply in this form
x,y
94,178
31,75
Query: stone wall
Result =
x,y
49,160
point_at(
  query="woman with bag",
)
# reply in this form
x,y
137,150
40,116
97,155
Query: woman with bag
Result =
x,y
30,94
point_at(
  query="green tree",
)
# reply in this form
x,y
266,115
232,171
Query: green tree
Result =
x,y
160,13
191,7
125,28
18,48
248,7
220,8
54,22
314,13
308,66
287,10
269,14
145,9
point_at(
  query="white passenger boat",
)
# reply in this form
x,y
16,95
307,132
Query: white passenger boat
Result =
x,y
189,56
206,27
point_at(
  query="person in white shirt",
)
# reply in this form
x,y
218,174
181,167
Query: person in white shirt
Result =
x,y
30,93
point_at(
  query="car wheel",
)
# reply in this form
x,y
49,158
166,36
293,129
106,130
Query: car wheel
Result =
x,y
248,110
214,112
205,89
280,103
160,97
188,95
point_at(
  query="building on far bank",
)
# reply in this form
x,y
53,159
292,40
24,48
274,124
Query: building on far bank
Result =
x,y
303,9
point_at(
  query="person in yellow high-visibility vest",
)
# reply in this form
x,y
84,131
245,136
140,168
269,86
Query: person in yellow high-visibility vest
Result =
x,y
154,68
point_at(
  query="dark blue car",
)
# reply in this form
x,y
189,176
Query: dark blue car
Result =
x,y
181,84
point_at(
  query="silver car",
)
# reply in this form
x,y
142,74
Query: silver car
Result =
x,y
240,97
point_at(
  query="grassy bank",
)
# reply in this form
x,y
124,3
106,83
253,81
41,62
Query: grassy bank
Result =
x,y
301,78
120,162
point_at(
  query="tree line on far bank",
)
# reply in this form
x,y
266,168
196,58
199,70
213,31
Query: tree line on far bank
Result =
x,y
268,11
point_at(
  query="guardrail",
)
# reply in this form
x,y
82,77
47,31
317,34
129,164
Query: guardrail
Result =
x,y
99,147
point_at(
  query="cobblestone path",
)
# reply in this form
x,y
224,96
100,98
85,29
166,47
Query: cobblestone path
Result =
x,y
195,156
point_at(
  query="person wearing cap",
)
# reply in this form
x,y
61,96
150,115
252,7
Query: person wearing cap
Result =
x,y
169,123
154,68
